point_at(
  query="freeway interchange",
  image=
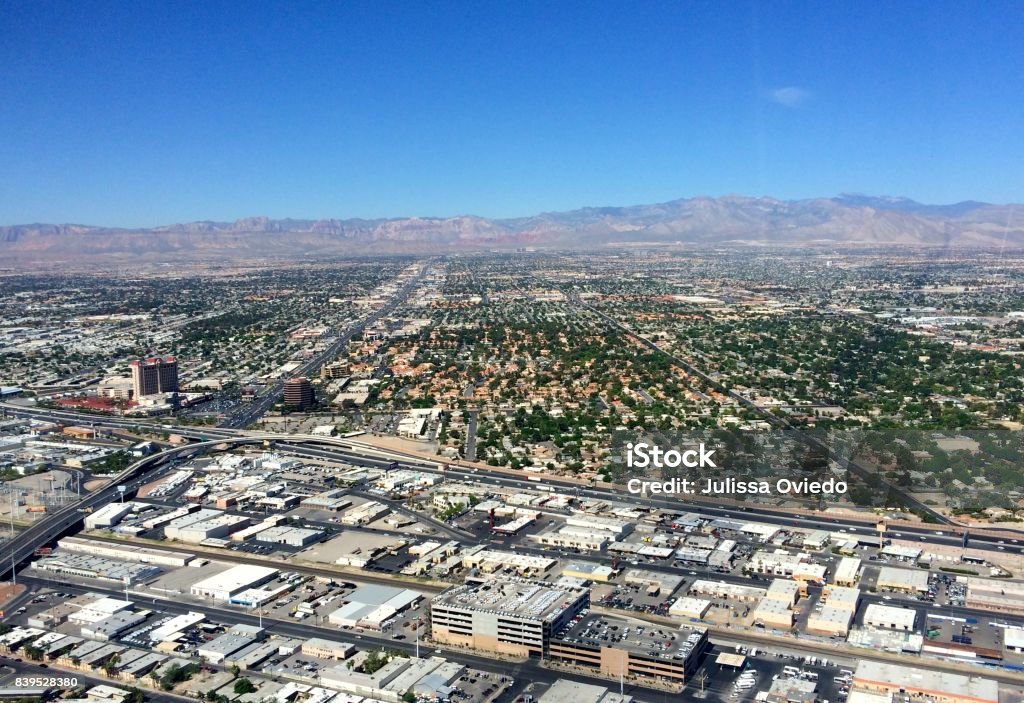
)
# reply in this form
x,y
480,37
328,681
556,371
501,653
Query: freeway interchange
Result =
x,y
352,452
351,449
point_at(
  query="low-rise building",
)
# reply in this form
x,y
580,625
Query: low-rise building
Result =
x,y
889,617
902,580
939,686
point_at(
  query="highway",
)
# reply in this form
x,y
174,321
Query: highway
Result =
x,y
251,412
352,451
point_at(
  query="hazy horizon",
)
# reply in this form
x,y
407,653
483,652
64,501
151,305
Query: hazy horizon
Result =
x,y
368,111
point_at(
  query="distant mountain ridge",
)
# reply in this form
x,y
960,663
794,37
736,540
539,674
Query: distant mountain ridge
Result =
x,y
845,220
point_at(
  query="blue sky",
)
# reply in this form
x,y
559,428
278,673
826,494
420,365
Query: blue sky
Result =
x,y
144,113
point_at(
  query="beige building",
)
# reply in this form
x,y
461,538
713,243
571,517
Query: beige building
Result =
x,y
511,616
848,572
773,614
836,613
923,685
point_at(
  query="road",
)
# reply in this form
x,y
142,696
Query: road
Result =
x,y
521,671
355,452
251,412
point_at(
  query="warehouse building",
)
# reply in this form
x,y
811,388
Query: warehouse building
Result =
x,y
848,572
289,536
113,625
773,615
327,649
589,571
217,650
372,606
175,625
889,618
903,580
688,607
993,594
108,516
727,591
173,526
515,616
836,614
215,528
784,591
125,552
573,538
619,528
235,580
94,567
939,686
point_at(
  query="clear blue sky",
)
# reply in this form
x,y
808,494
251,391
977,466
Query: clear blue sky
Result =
x,y
144,113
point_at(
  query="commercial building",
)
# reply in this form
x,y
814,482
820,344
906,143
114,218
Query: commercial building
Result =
x,y
689,607
327,649
573,537
890,618
727,591
903,580
235,580
791,689
568,691
298,393
391,682
177,624
217,650
124,552
848,572
940,687
108,516
589,571
784,591
782,563
154,376
773,614
514,616
364,513
372,606
335,370
94,567
839,605
112,625
580,645
994,594
491,560
218,526
289,536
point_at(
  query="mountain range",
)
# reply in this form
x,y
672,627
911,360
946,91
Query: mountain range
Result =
x,y
845,220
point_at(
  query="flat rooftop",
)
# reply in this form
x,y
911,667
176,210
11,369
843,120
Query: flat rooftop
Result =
x,y
928,682
660,641
519,597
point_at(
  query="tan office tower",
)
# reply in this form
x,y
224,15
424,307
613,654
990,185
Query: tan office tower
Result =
x,y
298,393
154,375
